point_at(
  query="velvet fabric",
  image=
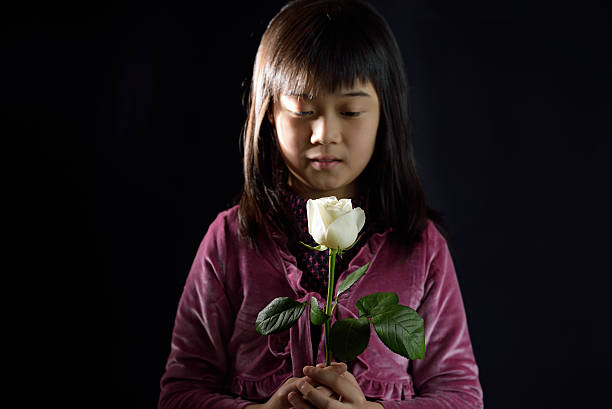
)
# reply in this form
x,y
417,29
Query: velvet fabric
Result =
x,y
217,359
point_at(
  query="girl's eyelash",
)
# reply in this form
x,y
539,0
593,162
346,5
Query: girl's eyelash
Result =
x,y
302,113
346,113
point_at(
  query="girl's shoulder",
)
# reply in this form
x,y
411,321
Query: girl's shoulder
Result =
x,y
437,243
432,235
430,239
431,245
225,225
223,230
226,218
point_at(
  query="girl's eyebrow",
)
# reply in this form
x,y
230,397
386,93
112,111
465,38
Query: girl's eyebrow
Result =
x,y
356,93
300,96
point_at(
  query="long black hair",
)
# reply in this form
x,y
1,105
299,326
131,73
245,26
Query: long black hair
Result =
x,y
314,46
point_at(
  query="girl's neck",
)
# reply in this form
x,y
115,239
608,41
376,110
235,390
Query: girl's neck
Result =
x,y
345,192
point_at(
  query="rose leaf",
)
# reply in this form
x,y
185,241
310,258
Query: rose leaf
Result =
x,y
280,314
373,304
351,279
349,338
402,330
317,315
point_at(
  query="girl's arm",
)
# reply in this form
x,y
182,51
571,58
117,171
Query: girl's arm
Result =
x,y
198,362
198,367
448,376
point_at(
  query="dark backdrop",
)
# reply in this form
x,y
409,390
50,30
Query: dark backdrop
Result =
x,y
131,114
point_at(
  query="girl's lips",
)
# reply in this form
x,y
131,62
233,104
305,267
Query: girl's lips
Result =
x,y
324,164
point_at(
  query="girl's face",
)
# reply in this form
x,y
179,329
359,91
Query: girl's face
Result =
x,y
326,142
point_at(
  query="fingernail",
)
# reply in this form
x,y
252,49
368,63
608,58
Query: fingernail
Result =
x,y
300,384
308,370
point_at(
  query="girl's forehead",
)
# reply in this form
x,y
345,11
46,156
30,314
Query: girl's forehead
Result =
x,y
355,87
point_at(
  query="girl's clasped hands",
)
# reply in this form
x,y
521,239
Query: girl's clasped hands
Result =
x,y
331,387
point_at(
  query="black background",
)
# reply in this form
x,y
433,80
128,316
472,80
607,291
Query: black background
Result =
x,y
127,118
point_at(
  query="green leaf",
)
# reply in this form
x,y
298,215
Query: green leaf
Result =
x,y
280,314
402,330
351,279
317,316
373,304
349,338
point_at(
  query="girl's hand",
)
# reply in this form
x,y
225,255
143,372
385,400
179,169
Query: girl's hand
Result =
x,y
280,401
343,384
340,368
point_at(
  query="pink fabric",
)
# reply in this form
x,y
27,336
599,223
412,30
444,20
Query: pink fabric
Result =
x,y
217,359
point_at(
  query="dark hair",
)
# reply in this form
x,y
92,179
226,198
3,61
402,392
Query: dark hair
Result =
x,y
314,46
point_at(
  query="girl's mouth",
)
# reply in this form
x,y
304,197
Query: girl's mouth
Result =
x,y
324,164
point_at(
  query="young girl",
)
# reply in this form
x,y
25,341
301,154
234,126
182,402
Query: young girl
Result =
x,y
327,116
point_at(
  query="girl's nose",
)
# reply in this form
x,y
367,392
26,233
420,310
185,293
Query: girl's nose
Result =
x,y
326,129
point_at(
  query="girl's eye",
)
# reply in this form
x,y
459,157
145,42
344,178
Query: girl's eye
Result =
x,y
303,113
351,113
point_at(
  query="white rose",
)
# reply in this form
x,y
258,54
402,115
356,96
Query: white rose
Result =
x,y
334,223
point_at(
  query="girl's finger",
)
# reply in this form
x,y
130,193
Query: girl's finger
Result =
x,y
342,370
326,391
298,402
351,378
316,397
287,386
339,366
339,383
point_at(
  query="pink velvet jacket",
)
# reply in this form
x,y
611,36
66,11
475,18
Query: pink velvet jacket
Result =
x,y
217,359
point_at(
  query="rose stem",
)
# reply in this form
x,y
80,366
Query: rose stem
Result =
x,y
328,305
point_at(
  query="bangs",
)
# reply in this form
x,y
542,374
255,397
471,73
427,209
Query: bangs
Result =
x,y
321,51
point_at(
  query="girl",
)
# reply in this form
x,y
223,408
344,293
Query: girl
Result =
x,y
327,116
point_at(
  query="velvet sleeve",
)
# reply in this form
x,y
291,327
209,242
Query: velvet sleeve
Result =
x,y
448,376
197,367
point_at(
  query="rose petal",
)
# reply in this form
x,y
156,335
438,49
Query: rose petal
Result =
x,y
360,218
316,225
335,209
343,231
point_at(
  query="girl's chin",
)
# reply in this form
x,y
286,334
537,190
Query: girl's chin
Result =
x,y
340,191
316,186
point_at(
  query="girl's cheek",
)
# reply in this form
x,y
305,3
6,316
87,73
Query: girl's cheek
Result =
x,y
290,126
